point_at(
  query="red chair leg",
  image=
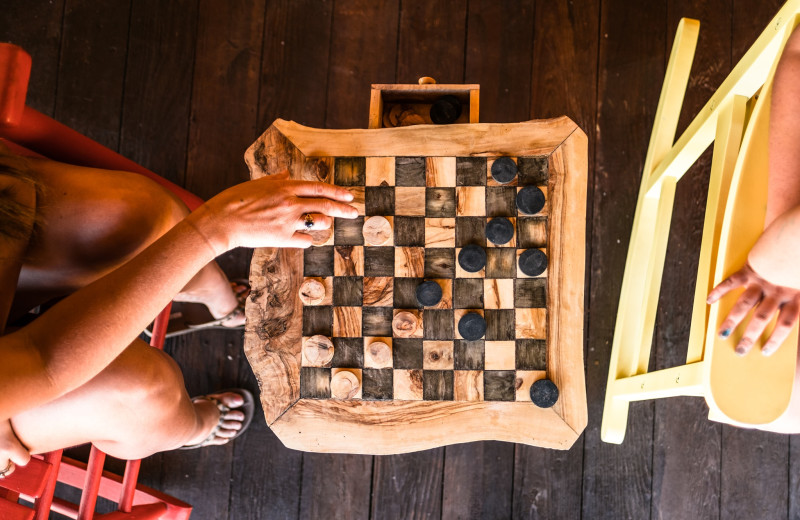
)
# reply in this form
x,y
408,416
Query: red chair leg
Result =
x,y
94,474
45,501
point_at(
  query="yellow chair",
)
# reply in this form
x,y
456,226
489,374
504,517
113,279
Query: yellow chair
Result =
x,y
736,119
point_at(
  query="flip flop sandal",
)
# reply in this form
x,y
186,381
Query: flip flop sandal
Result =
x,y
186,317
248,407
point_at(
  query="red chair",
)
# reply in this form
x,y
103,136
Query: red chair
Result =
x,y
28,131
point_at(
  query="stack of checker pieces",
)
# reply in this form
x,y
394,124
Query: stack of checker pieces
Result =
x,y
437,207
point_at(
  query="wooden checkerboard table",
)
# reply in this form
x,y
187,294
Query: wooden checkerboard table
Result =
x,y
450,311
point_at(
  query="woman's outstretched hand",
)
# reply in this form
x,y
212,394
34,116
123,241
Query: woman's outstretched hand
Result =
x,y
269,212
767,299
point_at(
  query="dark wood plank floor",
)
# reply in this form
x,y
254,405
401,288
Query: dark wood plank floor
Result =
x,y
184,86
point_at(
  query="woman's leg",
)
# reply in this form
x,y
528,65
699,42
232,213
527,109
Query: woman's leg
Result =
x,y
136,407
94,221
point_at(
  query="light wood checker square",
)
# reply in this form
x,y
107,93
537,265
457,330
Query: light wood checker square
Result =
x,y
346,322
440,172
380,171
409,262
409,201
358,201
432,388
378,291
499,355
525,378
348,260
440,232
408,385
470,201
531,323
468,385
498,293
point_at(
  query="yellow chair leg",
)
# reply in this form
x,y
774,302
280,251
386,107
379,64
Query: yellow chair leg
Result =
x,y
630,350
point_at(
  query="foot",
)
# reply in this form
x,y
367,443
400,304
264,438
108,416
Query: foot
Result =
x,y
230,306
214,426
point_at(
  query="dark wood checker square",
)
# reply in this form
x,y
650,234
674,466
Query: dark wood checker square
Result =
x,y
370,336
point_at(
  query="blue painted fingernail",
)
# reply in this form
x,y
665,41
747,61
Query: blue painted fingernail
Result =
x,y
725,333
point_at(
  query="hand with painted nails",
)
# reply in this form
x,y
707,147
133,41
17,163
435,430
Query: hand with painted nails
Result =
x,y
767,299
273,211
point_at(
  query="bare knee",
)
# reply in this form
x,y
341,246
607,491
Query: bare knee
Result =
x,y
160,414
140,212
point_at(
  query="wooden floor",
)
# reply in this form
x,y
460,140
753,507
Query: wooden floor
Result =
x,y
183,86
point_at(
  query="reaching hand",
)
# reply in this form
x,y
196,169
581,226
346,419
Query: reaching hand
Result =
x,y
12,452
767,299
269,212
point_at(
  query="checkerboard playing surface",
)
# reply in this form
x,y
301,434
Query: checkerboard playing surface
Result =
x,y
474,226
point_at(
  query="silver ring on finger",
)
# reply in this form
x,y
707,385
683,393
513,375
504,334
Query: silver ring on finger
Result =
x,y
308,220
8,470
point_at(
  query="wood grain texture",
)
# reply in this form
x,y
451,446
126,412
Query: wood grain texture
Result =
x,y
539,493
224,80
431,41
294,61
335,486
531,138
617,479
408,486
493,27
477,480
158,86
369,30
753,460
92,68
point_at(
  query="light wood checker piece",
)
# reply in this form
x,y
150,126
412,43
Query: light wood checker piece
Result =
x,y
274,334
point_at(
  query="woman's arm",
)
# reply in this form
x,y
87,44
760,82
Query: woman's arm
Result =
x,y
82,334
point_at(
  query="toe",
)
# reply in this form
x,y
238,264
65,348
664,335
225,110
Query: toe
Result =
x,y
231,425
226,434
230,399
234,415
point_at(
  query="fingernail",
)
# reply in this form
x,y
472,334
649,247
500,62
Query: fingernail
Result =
x,y
725,333
740,350
349,196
